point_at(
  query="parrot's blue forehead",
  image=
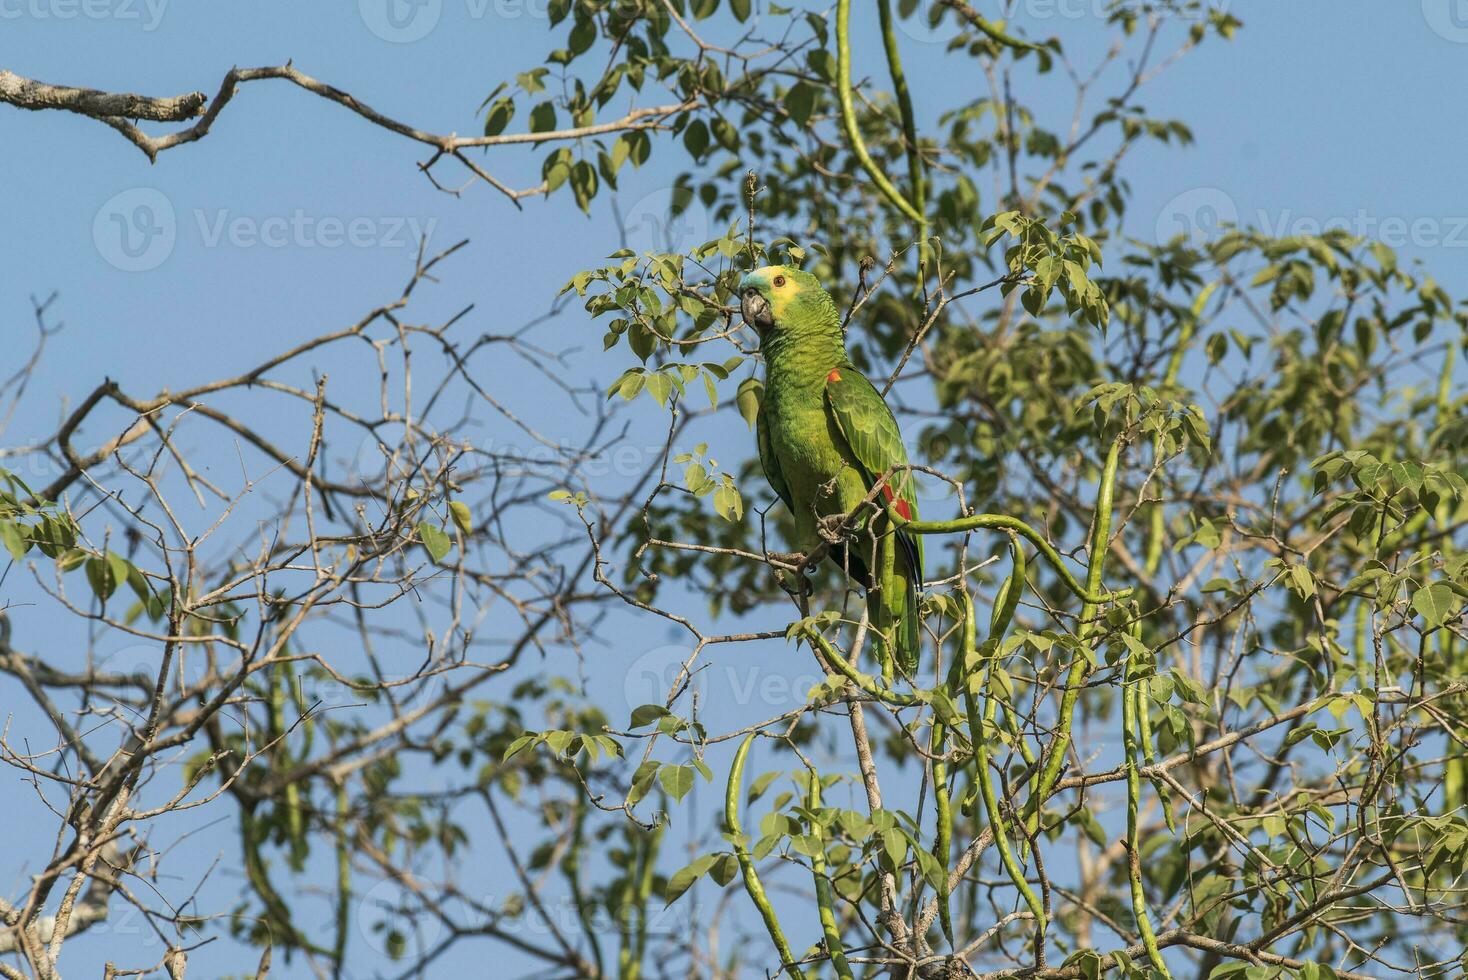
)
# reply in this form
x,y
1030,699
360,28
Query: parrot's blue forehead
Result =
x,y
752,280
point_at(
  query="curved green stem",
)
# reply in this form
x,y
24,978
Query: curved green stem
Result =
x,y
752,884
989,30
1089,593
848,117
1130,697
824,900
904,106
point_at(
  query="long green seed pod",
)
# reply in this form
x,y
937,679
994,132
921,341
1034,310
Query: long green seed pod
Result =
x,y
986,782
652,844
1144,726
904,108
752,884
825,903
1144,730
1007,601
1100,537
294,813
848,117
1129,698
944,844
343,873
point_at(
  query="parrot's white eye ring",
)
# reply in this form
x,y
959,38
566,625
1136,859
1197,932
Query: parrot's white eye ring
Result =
x,y
779,281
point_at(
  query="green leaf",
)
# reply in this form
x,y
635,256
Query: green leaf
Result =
x,y
1302,581
748,399
800,102
582,36
684,877
529,738
459,511
728,503
760,785
103,574
1434,603
15,541
696,138
499,116
676,780
435,542
647,714
642,780
543,117
724,868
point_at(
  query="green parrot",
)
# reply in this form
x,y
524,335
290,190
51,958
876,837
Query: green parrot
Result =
x,y
825,438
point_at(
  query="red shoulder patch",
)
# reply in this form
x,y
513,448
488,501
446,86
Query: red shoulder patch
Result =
x,y
902,507
835,375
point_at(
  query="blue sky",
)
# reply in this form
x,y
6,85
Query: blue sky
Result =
x,y
1319,112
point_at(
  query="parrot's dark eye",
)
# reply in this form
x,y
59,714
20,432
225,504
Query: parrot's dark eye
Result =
x,y
779,281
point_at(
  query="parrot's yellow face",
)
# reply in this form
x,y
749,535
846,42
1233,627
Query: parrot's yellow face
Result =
x,y
768,296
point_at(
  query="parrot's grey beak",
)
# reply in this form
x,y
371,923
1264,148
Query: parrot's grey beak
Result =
x,y
756,310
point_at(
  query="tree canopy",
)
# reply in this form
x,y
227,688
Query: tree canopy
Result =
x,y
1190,702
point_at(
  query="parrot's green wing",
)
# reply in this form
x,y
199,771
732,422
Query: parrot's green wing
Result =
x,y
768,462
871,432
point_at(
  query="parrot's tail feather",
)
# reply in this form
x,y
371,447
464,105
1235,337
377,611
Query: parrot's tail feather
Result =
x,y
899,626
910,635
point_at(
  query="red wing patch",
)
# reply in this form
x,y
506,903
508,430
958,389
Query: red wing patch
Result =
x,y
901,506
835,375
